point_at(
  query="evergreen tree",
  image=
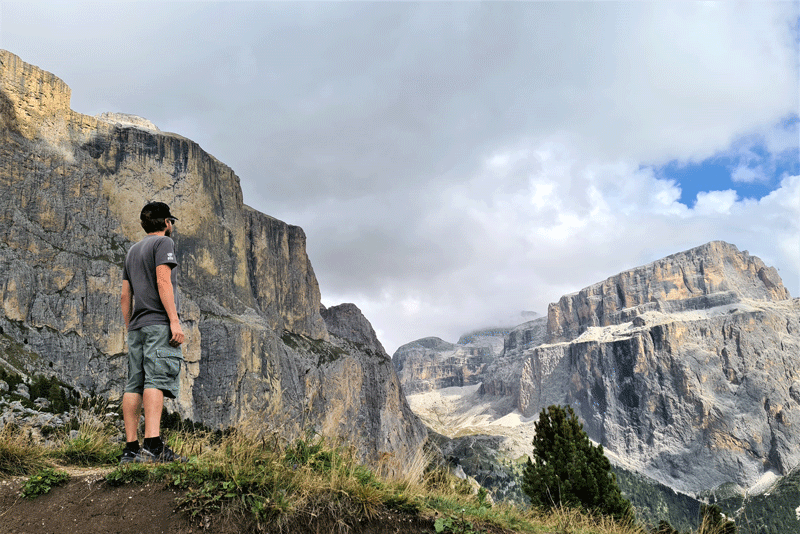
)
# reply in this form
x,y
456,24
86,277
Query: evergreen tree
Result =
x,y
568,470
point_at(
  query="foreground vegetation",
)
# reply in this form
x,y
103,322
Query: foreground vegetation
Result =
x,y
265,483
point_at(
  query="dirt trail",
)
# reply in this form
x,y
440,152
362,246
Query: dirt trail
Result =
x,y
87,505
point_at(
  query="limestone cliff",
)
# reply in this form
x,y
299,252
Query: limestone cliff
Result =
x,y
687,368
432,363
501,376
257,346
712,275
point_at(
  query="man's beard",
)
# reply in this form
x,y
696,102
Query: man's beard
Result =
x,y
168,232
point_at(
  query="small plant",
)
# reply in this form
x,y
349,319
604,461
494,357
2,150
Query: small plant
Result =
x,y
483,500
43,481
127,474
454,525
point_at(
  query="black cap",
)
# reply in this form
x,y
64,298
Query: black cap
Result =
x,y
156,210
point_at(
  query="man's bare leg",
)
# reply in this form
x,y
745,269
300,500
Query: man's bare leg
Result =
x,y
131,412
153,406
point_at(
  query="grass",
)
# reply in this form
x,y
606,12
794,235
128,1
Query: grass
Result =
x,y
269,484
19,455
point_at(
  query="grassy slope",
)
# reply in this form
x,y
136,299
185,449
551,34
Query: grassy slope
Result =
x,y
269,484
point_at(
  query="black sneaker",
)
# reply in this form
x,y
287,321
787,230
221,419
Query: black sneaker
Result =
x,y
165,456
128,456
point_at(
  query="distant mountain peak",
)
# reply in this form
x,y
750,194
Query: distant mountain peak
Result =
x,y
709,275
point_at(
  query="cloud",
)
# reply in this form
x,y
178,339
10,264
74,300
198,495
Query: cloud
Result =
x,y
536,222
715,202
760,156
746,174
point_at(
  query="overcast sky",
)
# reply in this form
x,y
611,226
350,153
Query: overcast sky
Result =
x,y
454,164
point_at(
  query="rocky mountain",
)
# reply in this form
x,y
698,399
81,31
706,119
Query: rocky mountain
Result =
x,y
686,369
259,345
432,363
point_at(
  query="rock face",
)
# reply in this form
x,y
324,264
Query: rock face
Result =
x,y
501,376
715,274
257,345
687,368
431,363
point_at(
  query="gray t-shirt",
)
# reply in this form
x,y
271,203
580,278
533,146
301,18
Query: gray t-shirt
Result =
x,y
140,271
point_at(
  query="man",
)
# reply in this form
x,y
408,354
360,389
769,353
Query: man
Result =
x,y
150,309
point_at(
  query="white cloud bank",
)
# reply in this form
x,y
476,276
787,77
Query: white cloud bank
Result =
x,y
564,224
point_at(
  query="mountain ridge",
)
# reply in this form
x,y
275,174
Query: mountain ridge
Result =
x,y
692,380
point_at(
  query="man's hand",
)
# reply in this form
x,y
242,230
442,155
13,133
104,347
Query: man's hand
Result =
x,y
176,334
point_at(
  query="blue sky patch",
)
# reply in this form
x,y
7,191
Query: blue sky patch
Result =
x,y
748,167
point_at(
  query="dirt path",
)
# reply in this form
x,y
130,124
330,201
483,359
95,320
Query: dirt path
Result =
x,y
87,505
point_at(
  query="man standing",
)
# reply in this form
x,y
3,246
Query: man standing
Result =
x,y
150,309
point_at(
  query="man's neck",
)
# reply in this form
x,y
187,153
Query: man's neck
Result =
x,y
161,233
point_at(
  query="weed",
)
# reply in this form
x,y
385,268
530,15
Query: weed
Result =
x,y
127,474
454,525
43,481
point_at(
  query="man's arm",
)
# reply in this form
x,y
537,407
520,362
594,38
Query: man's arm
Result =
x,y
126,302
167,295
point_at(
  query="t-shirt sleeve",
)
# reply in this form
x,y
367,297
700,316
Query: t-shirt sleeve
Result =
x,y
165,252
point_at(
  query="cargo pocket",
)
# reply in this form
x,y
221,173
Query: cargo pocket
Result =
x,y
168,363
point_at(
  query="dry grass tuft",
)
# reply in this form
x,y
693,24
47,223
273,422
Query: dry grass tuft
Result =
x,y
19,452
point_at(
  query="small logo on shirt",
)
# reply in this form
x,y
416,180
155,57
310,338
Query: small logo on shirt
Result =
x,y
170,256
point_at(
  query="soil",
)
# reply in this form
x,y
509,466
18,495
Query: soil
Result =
x,y
86,504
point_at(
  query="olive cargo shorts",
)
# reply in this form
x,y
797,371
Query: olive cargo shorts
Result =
x,y
152,362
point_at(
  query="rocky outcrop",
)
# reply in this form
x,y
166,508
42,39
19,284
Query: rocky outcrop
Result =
x,y
381,409
431,363
257,346
491,358
502,376
346,321
712,275
687,368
